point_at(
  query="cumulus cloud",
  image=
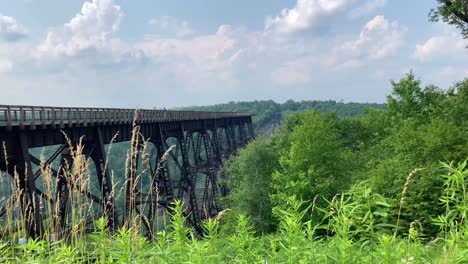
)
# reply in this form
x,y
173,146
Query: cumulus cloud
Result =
x,y
173,56
293,72
11,30
450,45
319,15
203,57
90,30
172,26
203,61
305,15
378,39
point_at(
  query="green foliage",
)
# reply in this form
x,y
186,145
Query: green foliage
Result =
x,y
101,242
270,112
128,247
243,243
405,99
453,12
292,232
250,183
425,126
317,162
353,222
313,154
455,202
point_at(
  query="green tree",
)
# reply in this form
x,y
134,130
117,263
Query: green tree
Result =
x,y
317,162
453,12
424,126
313,153
251,174
456,106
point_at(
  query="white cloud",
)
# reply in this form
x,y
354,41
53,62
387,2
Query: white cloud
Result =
x,y
367,8
6,66
171,25
305,15
450,45
451,73
292,73
378,39
90,30
202,57
229,61
11,30
200,62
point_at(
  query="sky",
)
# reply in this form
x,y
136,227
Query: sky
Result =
x,y
153,53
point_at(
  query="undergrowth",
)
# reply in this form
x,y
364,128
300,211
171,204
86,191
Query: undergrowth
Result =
x,y
352,231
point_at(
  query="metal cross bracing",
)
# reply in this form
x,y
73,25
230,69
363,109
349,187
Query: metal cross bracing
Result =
x,y
199,142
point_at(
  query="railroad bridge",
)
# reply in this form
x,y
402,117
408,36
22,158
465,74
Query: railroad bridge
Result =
x,y
182,150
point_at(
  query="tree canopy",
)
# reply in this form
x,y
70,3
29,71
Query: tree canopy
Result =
x,y
453,12
315,156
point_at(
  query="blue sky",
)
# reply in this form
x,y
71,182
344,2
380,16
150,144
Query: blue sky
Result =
x,y
148,53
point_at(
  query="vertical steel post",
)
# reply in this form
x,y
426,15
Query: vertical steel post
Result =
x,y
188,184
232,129
229,137
104,179
242,137
62,191
251,129
211,177
33,212
198,150
216,144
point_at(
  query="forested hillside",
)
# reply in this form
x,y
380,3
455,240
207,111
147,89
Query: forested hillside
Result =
x,y
388,161
269,112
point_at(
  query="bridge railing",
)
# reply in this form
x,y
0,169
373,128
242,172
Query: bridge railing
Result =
x,y
46,115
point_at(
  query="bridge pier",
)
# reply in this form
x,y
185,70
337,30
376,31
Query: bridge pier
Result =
x,y
99,157
161,185
188,180
62,192
27,186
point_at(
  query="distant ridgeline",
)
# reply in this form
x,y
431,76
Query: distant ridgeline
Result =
x,y
269,111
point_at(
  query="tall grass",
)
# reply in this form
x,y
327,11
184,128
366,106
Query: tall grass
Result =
x,y
354,229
